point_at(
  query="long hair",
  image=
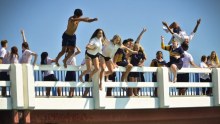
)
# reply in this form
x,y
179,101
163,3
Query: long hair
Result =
x,y
14,51
115,37
96,33
216,60
44,56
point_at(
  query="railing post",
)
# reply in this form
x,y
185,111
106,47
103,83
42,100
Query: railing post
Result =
x,y
216,85
17,94
98,95
163,86
29,89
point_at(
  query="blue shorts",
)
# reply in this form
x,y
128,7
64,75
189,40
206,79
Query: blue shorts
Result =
x,y
69,40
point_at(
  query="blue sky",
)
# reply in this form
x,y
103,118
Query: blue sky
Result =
x,y
44,22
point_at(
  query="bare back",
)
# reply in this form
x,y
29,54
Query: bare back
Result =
x,y
72,26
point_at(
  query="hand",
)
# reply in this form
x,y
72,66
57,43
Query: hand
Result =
x,y
95,19
165,24
144,30
162,38
177,57
115,65
22,31
198,21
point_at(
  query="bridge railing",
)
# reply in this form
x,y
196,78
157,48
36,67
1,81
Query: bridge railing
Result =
x,y
27,90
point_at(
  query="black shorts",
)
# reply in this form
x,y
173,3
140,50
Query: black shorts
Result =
x,y
4,76
50,77
122,63
68,40
183,78
106,58
134,74
154,77
70,76
179,64
91,56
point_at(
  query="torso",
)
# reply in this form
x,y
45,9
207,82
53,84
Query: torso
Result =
x,y
71,27
26,57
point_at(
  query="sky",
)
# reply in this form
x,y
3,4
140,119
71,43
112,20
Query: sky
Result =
x,y
44,22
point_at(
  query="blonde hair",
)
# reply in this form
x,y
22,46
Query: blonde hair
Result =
x,y
115,37
216,60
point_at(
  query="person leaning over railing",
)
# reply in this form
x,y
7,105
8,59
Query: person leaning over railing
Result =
x,y
205,77
3,60
157,62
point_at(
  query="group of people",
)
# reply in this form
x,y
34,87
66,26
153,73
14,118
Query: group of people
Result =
x,y
101,53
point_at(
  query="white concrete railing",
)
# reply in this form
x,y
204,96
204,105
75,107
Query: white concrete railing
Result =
x,y
24,87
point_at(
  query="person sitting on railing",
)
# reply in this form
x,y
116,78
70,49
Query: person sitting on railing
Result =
x,y
182,36
93,50
136,59
26,53
157,62
187,62
176,53
205,77
3,60
71,75
48,75
108,52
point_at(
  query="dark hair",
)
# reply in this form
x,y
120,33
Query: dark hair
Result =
x,y
96,33
3,43
158,52
125,41
130,40
44,56
14,51
78,12
203,58
25,45
185,46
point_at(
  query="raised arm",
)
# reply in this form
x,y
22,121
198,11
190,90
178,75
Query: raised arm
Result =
x,y
140,35
23,36
166,25
128,49
197,25
162,43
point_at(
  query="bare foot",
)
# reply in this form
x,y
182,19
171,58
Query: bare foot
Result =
x,y
57,63
174,79
64,64
81,79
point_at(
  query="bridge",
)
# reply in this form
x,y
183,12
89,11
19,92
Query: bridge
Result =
x,y
26,94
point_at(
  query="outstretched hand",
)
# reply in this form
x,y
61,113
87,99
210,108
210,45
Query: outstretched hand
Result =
x,y
92,20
